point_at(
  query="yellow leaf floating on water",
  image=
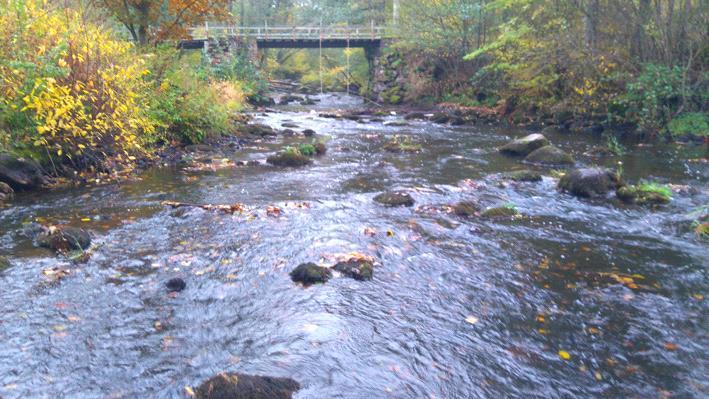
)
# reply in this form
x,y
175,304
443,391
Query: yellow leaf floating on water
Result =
x,y
471,319
85,219
598,375
189,391
564,355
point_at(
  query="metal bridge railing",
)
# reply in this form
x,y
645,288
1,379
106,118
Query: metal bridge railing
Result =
x,y
293,33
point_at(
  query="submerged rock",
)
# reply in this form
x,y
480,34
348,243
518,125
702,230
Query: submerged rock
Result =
x,y
310,273
242,386
309,132
359,269
20,173
524,175
395,198
176,284
589,182
466,209
500,211
63,239
289,158
525,145
320,148
457,121
550,155
6,192
396,146
290,98
290,125
415,116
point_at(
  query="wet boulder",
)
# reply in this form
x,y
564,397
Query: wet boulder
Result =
x,y
457,121
242,386
291,158
440,118
310,273
589,182
320,149
525,175
175,284
525,145
63,239
550,155
466,209
309,132
358,269
500,212
6,192
290,125
395,198
259,130
20,173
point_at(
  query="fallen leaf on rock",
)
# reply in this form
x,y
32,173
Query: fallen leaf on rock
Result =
x,y
671,346
273,211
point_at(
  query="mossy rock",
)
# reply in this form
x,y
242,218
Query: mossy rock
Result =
x,y
550,155
397,146
589,182
357,269
310,273
242,386
291,158
307,150
525,145
395,198
64,239
525,175
645,194
466,209
457,121
259,130
4,263
320,149
500,212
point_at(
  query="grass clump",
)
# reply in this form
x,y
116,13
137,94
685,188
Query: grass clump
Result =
x,y
689,124
645,193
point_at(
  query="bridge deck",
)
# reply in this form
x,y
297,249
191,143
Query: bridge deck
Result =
x,y
291,37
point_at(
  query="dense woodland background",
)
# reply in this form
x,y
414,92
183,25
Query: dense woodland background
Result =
x,y
88,81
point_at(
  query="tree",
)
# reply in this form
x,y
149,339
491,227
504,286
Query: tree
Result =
x,y
149,20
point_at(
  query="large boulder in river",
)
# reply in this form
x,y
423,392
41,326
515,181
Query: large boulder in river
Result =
x,y
550,155
242,386
525,175
63,239
589,182
310,273
259,130
525,145
6,192
20,173
466,209
440,118
395,198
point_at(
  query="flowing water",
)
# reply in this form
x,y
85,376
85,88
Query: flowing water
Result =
x,y
458,308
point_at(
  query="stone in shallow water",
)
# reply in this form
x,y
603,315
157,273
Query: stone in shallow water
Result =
x,y
466,208
289,158
176,284
524,175
550,155
310,273
64,239
357,269
20,173
499,212
395,198
589,182
525,145
242,386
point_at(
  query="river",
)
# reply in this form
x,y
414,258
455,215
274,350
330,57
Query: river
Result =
x,y
458,308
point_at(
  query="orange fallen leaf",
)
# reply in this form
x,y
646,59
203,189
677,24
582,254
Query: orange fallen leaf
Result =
x,y
671,346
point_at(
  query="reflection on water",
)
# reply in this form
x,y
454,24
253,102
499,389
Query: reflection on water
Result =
x,y
458,308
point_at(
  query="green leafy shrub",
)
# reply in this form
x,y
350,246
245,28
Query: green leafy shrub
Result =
x,y
654,96
307,149
689,123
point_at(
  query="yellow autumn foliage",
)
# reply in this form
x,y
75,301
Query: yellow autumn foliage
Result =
x,y
68,87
